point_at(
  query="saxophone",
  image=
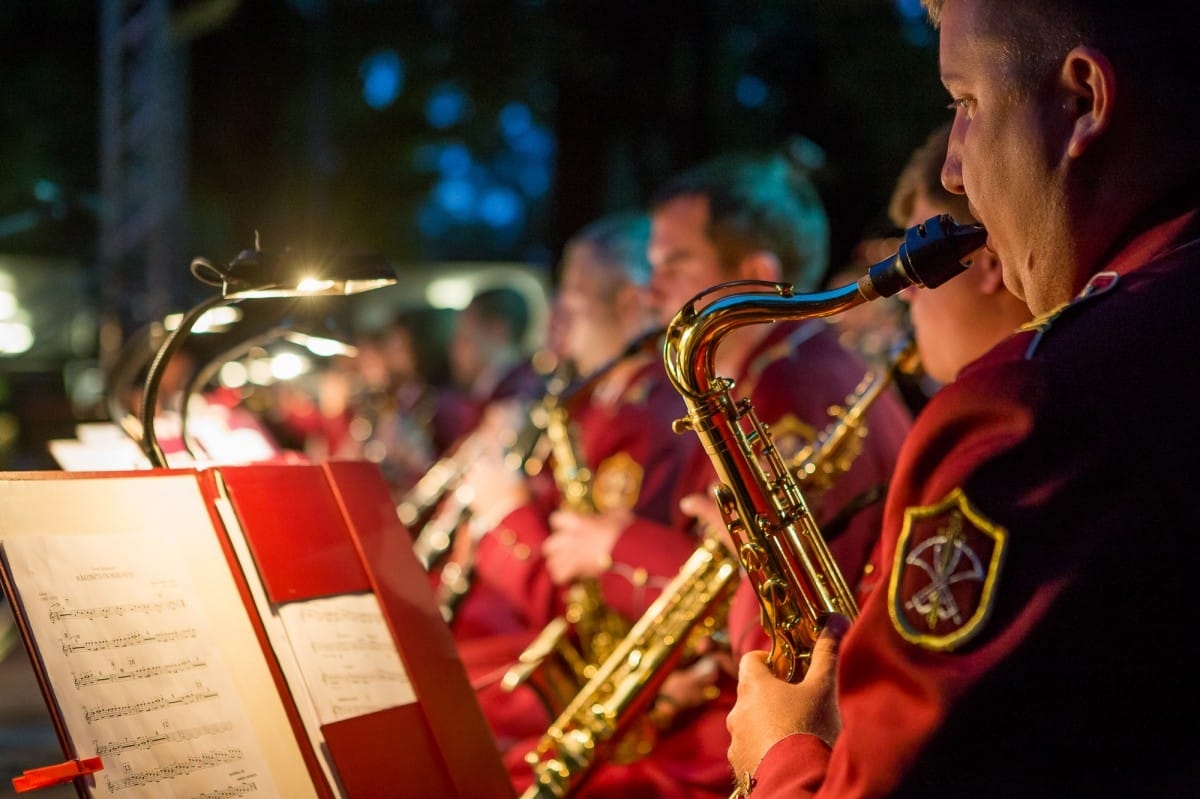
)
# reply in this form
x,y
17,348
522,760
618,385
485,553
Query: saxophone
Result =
x,y
692,607
437,488
779,545
567,651
818,464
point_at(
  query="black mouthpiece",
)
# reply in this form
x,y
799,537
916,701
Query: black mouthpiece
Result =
x,y
931,254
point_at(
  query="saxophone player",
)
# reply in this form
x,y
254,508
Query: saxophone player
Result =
x,y
743,217
619,414
959,321
991,669
760,218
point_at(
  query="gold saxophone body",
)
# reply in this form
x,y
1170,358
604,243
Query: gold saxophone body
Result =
x,y
779,545
797,581
612,703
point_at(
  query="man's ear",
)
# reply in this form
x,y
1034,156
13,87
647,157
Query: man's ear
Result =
x,y
1090,84
760,265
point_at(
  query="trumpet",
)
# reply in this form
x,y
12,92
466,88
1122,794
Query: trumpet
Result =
x,y
779,545
605,713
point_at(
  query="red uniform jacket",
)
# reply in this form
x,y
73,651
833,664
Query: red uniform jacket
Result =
x,y
1035,634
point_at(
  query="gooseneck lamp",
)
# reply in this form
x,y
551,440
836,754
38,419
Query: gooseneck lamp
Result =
x,y
255,274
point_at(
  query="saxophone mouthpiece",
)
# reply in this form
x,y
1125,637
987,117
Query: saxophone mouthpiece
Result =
x,y
933,252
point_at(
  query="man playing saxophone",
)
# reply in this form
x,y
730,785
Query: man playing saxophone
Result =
x,y
618,418
745,217
711,225
1034,632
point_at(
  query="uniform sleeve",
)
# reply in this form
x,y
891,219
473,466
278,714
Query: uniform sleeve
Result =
x,y
898,681
510,561
637,449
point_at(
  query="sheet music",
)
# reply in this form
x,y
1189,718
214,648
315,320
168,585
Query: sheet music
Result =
x,y
133,666
347,655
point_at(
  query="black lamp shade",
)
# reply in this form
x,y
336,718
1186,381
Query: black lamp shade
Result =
x,y
254,273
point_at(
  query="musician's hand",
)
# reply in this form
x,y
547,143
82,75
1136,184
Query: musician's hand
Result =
x,y
580,544
769,709
704,509
689,687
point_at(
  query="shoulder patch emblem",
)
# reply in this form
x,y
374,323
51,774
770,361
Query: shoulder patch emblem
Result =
x,y
944,577
617,483
790,435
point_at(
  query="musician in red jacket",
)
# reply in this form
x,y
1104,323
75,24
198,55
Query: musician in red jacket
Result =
x,y
746,218
1040,504
619,412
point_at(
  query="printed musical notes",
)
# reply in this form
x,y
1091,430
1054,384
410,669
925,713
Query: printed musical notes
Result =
x,y
117,621
346,654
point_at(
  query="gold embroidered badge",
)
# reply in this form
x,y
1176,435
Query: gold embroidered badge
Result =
x,y
617,483
945,573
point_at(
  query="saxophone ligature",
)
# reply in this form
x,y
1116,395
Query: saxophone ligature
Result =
x,y
779,545
612,704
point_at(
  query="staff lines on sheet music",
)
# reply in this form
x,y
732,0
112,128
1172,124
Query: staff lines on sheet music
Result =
x,y
58,613
362,677
72,643
145,672
189,765
174,736
230,792
340,616
201,694
356,645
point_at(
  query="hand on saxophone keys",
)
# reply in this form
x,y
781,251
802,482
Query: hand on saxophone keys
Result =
x,y
580,544
769,709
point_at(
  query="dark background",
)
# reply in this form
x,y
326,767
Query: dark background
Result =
x,y
508,124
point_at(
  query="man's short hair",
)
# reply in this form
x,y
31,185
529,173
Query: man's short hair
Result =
x,y
762,202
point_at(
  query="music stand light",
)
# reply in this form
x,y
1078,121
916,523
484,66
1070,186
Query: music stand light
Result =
x,y
254,274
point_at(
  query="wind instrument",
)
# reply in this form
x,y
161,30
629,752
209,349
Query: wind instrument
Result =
x,y
437,488
440,479
566,652
615,698
610,706
841,442
798,583
543,427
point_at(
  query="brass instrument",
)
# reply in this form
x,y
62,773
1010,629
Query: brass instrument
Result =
x,y
798,583
437,488
841,442
567,651
546,426
597,628
614,699
609,706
